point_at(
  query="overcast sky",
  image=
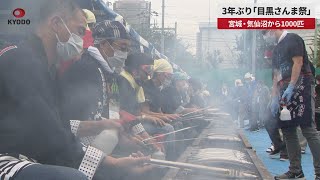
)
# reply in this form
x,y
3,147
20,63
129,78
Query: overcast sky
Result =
x,y
188,13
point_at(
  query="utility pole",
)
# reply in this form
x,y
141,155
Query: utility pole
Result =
x,y
209,11
245,42
254,48
315,44
253,51
208,41
175,41
162,30
149,16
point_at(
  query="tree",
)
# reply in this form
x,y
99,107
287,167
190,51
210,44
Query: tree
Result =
x,y
316,62
175,52
215,58
244,47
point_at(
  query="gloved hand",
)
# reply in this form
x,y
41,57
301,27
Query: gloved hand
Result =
x,y
275,105
287,95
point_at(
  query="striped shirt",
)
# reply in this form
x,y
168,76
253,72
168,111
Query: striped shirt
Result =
x,y
11,165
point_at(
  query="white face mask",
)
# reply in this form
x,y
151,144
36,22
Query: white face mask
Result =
x,y
166,83
70,49
185,87
117,61
116,64
120,54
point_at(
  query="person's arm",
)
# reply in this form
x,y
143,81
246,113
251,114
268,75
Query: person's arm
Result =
x,y
274,90
92,128
296,69
296,52
146,111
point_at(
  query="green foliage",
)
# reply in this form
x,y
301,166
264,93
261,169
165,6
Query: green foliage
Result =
x,y
177,53
244,46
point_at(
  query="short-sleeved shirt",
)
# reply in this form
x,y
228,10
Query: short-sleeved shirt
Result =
x,y
292,45
300,105
153,96
131,94
172,99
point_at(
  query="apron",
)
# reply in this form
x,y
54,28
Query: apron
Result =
x,y
300,105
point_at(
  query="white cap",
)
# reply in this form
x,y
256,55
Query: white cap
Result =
x,y
238,82
247,75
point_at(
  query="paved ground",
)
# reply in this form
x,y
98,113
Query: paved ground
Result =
x,y
260,141
221,147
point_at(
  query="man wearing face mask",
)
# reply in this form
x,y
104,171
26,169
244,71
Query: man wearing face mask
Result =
x,y
86,92
292,86
87,41
112,41
175,102
84,88
99,65
161,78
137,69
196,98
35,142
91,21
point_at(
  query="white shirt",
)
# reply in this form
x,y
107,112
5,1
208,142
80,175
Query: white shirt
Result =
x,y
283,35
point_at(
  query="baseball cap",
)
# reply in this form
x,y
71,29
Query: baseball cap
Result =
x,y
109,30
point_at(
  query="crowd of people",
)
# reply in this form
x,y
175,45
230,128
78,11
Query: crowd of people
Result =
x,y
78,103
247,100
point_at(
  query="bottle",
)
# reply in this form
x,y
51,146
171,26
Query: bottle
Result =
x,y
285,114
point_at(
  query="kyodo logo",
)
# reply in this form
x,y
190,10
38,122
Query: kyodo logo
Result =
x,y
18,13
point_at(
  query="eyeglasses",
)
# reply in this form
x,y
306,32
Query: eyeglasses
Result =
x,y
122,48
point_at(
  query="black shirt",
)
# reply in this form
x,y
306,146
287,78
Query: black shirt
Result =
x,y
197,100
128,97
30,122
153,96
292,45
171,101
84,91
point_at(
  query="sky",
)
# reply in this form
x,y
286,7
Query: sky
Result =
x,y
188,14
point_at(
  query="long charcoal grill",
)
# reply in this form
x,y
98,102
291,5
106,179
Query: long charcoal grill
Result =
x,y
220,145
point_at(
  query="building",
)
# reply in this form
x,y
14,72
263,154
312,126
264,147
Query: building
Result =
x,y
210,40
216,44
136,12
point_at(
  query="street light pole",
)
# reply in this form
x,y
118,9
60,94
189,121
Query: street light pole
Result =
x,y
175,40
254,48
162,30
